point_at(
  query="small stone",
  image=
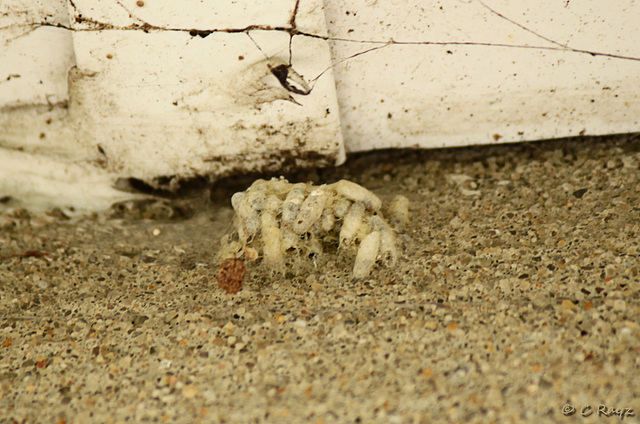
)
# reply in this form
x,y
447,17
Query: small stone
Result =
x,y
250,253
209,396
610,271
619,305
579,193
629,162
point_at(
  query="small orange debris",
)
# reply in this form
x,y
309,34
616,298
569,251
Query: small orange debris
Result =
x,y
7,342
588,305
453,326
427,372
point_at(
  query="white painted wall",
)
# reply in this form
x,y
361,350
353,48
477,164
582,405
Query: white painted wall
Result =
x,y
438,85
92,91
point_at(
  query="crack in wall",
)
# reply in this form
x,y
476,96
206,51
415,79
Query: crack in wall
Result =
x,y
288,78
292,30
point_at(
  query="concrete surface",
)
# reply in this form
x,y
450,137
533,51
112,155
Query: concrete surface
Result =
x,y
517,294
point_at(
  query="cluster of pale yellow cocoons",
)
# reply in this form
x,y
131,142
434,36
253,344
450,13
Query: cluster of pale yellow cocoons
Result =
x,y
299,225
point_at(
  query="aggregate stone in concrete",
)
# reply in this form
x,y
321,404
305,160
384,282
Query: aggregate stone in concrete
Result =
x,y
516,298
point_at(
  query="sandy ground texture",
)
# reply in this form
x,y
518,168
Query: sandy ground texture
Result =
x,y
517,295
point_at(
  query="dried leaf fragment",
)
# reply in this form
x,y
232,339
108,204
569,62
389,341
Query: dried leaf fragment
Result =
x,y
231,274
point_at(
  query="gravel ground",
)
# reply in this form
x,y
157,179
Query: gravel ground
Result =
x,y
517,295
